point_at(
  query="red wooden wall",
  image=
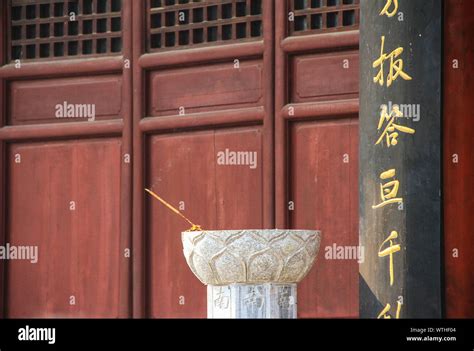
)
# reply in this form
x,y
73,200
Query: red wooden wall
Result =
x,y
208,192
324,190
176,92
459,158
316,150
79,250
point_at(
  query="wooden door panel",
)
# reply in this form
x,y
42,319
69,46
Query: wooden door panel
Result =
x,y
214,87
35,101
183,169
320,77
244,211
78,243
180,168
324,188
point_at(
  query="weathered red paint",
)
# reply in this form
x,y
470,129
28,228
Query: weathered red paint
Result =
x,y
64,198
313,133
217,87
458,177
206,195
324,189
47,96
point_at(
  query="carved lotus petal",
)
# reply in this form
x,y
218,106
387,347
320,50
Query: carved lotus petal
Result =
x,y
287,244
295,266
229,267
264,267
208,246
312,244
200,267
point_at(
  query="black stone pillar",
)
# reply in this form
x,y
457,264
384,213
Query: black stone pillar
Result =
x,y
400,158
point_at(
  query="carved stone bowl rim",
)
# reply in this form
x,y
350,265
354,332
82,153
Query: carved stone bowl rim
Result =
x,y
296,231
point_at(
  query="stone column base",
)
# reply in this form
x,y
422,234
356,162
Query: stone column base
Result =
x,y
252,301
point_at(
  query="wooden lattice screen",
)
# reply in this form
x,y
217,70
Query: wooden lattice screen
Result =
x,y
184,23
320,16
54,29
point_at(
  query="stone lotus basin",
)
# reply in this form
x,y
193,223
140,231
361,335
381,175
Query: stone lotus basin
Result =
x,y
226,257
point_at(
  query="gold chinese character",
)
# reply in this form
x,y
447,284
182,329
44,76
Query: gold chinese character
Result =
x,y
396,66
389,251
389,191
384,314
385,10
390,132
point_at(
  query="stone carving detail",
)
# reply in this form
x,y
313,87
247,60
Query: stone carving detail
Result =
x,y
238,301
253,301
250,256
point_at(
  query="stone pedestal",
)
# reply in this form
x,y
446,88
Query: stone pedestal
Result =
x,y
252,301
251,273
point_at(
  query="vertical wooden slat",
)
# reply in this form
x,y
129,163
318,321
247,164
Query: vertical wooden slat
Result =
x,y
458,158
268,130
127,149
3,19
7,51
281,198
139,267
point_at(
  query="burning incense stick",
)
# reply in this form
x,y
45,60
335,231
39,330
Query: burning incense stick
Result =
x,y
194,227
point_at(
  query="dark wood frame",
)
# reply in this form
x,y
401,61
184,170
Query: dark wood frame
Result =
x,y
2,157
